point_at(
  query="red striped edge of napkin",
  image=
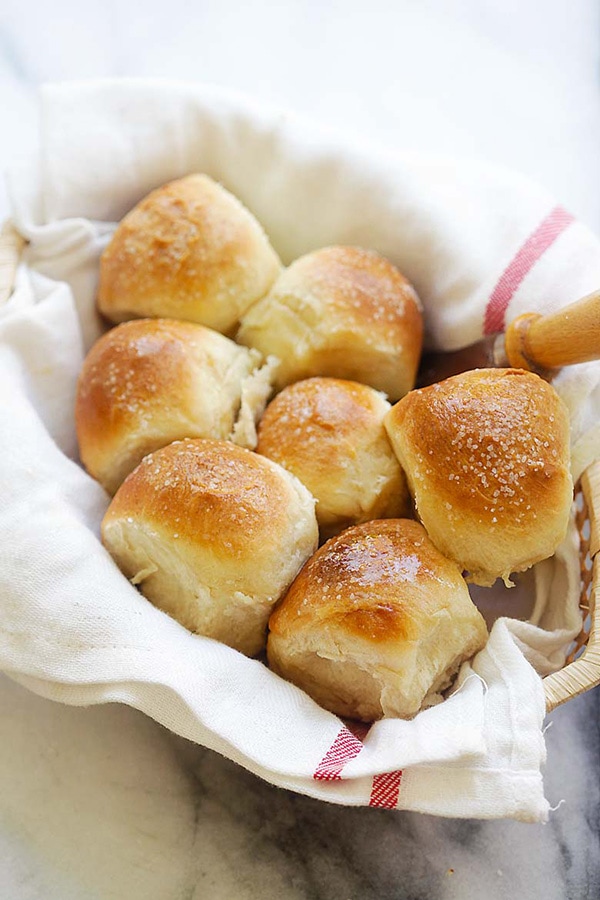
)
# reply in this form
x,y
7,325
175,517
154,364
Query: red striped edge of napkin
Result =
x,y
386,790
526,257
347,745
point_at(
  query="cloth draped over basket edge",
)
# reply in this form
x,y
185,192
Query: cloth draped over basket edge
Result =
x,y
479,243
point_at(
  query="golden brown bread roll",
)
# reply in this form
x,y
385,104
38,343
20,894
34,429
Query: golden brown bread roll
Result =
x,y
189,250
486,454
344,312
376,624
330,434
152,381
213,534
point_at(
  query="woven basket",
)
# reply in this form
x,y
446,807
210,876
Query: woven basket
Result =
x,y
582,668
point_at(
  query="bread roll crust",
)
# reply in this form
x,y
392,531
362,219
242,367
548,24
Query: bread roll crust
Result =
x,y
329,433
213,534
487,460
189,250
152,381
217,485
345,312
376,622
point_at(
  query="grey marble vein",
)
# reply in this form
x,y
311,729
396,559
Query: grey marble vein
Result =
x,y
325,851
105,803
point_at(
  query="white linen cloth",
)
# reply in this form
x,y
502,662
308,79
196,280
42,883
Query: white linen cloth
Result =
x,y
72,628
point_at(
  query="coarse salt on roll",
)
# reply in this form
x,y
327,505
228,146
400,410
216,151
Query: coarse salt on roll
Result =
x,y
486,454
152,381
213,535
189,250
329,432
343,312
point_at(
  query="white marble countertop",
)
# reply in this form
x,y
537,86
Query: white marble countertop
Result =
x,y
104,803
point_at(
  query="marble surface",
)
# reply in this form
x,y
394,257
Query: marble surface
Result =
x,y
102,802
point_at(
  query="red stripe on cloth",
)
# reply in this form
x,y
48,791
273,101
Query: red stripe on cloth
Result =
x,y
344,748
386,790
535,246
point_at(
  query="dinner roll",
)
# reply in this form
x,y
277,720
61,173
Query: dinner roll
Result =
x,y
330,434
341,311
376,624
486,454
149,382
189,250
213,534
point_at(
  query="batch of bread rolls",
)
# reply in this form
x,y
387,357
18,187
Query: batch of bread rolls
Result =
x,y
221,498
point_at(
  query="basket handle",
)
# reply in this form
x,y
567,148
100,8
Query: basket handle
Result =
x,y
11,247
570,335
583,673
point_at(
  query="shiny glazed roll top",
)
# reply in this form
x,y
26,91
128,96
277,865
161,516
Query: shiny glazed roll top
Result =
x,y
376,624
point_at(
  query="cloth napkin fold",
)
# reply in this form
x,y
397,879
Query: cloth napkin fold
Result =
x,y
480,244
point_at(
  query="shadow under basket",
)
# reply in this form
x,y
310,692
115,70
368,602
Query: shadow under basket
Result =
x,y
581,671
